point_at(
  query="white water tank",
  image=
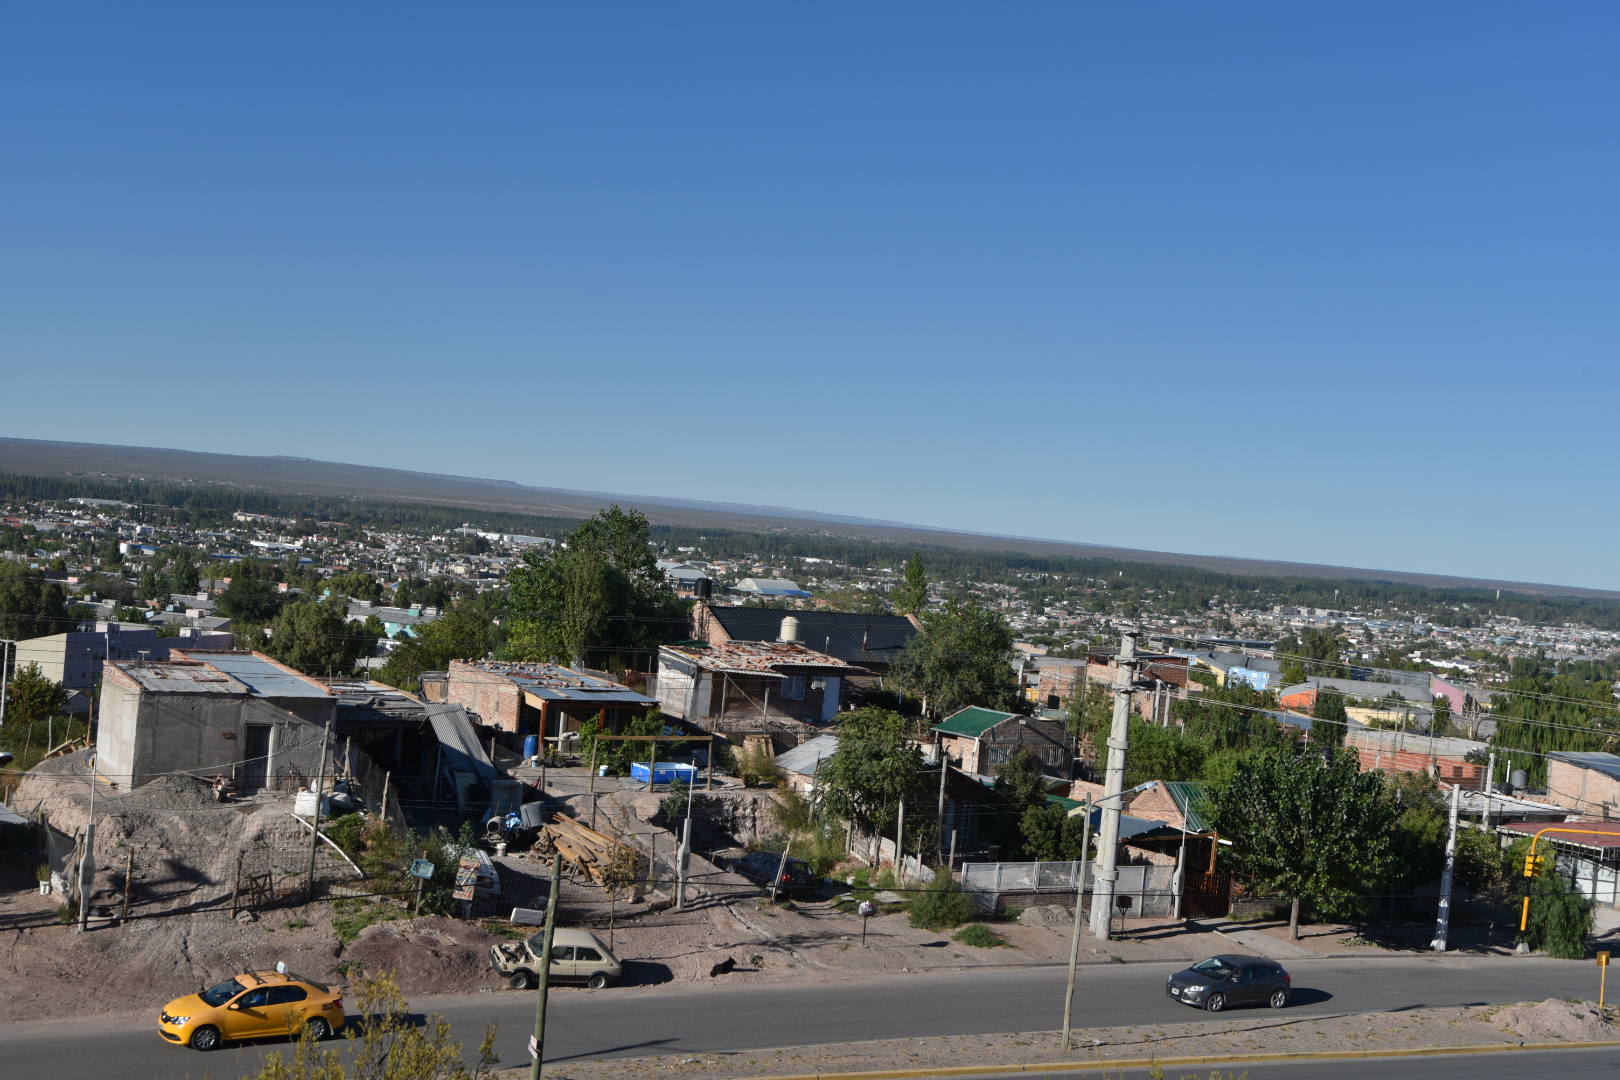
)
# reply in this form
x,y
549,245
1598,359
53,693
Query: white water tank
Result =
x,y
790,629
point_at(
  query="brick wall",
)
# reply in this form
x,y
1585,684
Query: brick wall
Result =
x,y
1156,804
1452,770
1586,791
497,700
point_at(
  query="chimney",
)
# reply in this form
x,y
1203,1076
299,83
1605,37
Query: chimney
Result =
x,y
790,629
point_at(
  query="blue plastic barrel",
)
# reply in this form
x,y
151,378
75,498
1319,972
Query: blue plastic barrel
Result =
x,y
531,746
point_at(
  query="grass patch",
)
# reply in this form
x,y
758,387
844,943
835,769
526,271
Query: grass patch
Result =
x,y
352,916
297,924
979,936
501,930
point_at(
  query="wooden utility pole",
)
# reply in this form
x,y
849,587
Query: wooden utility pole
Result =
x,y
236,890
129,885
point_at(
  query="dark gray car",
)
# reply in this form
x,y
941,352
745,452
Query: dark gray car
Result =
x,y
1226,980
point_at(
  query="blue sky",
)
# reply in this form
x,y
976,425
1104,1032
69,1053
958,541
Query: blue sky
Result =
x,y
1268,280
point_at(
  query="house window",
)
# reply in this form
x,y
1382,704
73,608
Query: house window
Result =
x,y
793,689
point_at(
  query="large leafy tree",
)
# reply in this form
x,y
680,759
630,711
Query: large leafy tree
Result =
x,y
1557,708
316,637
597,599
874,767
251,596
964,656
30,606
1329,709
1303,827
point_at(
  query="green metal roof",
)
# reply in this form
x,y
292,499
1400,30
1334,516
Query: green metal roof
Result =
x,y
1191,798
972,721
1067,804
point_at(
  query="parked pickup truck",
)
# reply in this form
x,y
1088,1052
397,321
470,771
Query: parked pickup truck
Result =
x,y
576,956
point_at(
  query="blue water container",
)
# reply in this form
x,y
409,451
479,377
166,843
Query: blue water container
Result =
x,y
531,746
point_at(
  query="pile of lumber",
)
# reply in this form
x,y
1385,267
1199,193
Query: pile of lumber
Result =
x,y
584,849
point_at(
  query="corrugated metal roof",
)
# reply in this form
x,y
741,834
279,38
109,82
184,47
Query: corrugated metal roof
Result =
x,y
972,721
806,758
262,676
835,633
1607,764
553,682
168,678
1606,834
1192,798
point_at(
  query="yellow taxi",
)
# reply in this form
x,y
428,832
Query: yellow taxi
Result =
x,y
251,1006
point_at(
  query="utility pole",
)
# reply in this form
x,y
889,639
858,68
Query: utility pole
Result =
x,y
87,864
315,817
1102,896
5,681
939,753
1079,907
1443,922
537,1045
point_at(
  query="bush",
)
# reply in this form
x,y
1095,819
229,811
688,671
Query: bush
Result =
x,y
944,905
1560,918
979,936
758,767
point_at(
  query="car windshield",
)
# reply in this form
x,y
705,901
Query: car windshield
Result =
x,y
1213,966
222,993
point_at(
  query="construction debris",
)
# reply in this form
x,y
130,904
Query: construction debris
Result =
x,y
588,852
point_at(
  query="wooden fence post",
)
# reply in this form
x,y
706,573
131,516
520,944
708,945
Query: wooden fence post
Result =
x,y
236,891
129,886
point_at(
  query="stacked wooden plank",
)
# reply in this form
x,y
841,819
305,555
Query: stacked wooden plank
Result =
x,y
587,851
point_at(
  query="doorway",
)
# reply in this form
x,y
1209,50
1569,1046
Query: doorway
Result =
x,y
256,747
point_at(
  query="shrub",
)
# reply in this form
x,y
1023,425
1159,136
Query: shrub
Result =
x,y
758,767
944,905
1560,918
979,936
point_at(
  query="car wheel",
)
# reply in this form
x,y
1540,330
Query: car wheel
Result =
x,y
519,980
1216,1002
206,1038
1279,999
320,1029
597,981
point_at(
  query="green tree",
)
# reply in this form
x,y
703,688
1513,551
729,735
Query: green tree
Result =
x,y
30,696
1051,835
1329,709
911,597
964,656
1560,918
874,767
30,606
356,585
596,599
251,596
1441,722
464,632
316,637
1303,827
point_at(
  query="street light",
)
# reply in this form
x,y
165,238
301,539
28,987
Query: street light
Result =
x,y
1080,893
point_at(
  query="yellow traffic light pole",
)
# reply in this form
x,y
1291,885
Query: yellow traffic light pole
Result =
x,y
1533,863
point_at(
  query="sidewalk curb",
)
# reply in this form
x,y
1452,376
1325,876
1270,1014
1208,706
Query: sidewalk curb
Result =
x,y
1207,1059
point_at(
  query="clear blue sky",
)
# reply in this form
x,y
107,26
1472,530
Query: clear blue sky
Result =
x,y
1264,280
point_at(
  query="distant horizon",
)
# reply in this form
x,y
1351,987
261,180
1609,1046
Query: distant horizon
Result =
x,y
764,518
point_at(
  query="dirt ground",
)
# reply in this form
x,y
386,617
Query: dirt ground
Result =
x,y
1260,1032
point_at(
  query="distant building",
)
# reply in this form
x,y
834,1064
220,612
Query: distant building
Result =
x,y
75,658
1444,759
976,740
394,619
1588,783
865,641
770,587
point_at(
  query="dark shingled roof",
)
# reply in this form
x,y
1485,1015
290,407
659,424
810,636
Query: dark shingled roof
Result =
x,y
884,635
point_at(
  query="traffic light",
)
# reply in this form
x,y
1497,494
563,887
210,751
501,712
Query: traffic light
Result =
x,y
1534,865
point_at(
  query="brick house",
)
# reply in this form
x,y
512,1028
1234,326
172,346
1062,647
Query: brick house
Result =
x,y
539,699
1588,783
976,740
769,696
870,642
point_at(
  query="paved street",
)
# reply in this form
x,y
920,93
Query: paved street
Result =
x,y
641,1021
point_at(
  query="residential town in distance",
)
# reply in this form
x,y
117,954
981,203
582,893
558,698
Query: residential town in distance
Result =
x,y
376,710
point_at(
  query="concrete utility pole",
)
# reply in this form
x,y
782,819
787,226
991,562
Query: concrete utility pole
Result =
x,y
1443,922
1102,895
87,864
315,818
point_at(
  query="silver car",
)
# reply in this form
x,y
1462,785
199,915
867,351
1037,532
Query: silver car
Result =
x,y
1224,980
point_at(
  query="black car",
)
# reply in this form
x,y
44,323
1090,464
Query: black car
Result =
x,y
1231,980
761,867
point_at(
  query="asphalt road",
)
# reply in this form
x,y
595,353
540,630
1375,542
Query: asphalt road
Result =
x,y
662,1020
